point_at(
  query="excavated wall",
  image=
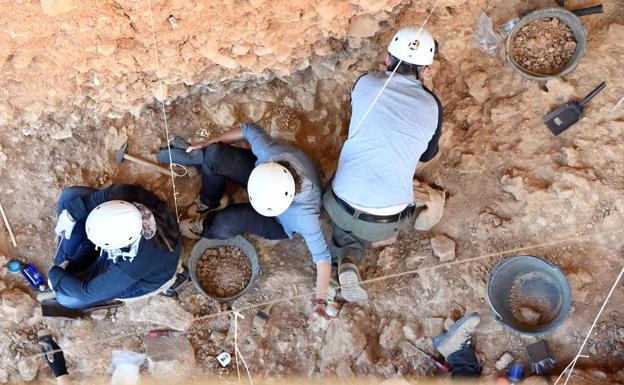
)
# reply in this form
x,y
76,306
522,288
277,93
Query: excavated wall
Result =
x,y
67,62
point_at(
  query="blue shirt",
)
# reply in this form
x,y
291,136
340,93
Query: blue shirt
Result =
x,y
303,215
378,161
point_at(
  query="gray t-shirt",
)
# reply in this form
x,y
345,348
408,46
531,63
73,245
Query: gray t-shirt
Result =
x,y
378,161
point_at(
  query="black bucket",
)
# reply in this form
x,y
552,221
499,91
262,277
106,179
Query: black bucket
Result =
x,y
240,242
529,295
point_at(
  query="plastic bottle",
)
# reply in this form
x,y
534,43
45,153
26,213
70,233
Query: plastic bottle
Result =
x,y
515,374
34,278
14,266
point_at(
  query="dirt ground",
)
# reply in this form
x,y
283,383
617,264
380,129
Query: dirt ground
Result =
x,y
512,189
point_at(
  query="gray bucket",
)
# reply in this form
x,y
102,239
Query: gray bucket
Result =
x,y
567,17
529,295
204,244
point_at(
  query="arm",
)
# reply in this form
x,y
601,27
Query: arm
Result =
x,y
234,135
321,257
432,147
102,287
79,208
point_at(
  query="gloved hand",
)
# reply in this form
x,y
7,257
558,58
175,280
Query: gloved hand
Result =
x,y
56,361
64,225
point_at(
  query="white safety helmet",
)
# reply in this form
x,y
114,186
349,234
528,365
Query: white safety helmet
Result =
x,y
114,225
412,46
271,189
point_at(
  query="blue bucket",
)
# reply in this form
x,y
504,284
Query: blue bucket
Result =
x,y
529,295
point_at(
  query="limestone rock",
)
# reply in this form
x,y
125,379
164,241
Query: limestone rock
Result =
x,y
224,115
391,334
57,7
343,370
412,330
160,93
477,86
169,357
3,159
16,305
443,248
254,112
504,361
363,26
433,326
342,341
515,186
161,310
27,369
433,200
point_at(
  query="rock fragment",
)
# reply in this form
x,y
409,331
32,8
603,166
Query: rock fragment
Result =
x,y
433,326
16,305
504,361
443,248
391,334
161,310
433,200
169,357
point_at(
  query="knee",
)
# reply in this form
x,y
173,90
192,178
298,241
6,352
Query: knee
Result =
x,y
68,302
67,195
214,153
221,226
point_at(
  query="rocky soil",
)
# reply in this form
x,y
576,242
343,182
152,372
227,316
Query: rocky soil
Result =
x,y
544,46
224,272
80,79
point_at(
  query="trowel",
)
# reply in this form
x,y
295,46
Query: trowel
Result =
x,y
563,117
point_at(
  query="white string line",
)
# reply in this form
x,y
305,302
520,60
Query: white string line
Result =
x,y
377,279
180,175
160,84
616,106
236,345
237,351
390,77
591,329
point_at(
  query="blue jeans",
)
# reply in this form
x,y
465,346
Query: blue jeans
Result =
x,y
87,265
68,247
464,364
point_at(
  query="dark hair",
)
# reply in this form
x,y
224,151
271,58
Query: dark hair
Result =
x,y
405,68
298,179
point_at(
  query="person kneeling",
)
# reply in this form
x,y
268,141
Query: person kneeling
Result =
x,y
116,243
284,195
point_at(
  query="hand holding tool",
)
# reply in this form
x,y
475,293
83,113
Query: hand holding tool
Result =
x,y
121,156
438,364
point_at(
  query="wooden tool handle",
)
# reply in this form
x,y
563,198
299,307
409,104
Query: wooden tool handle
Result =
x,y
8,226
151,166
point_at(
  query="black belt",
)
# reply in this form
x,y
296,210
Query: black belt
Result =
x,y
370,217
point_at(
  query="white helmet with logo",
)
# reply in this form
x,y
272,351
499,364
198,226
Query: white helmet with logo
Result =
x,y
413,46
114,225
271,189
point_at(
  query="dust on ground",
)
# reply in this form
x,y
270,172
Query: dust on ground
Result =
x,y
512,188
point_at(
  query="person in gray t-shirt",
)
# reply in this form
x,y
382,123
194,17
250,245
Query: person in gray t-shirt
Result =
x,y
370,199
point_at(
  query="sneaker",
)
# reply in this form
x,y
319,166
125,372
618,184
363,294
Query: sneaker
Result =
x,y
459,336
192,227
332,290
199,208
350,288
